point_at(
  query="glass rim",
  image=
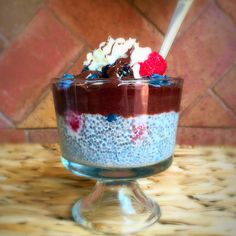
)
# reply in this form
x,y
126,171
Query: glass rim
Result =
x,y
77,81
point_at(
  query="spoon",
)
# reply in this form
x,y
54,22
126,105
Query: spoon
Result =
x,y
179,14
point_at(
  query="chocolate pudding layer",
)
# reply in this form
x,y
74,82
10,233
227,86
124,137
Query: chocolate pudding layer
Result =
x,y
127,98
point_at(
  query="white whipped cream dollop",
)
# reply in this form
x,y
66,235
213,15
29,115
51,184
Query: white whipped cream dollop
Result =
x,y
113,49
139,55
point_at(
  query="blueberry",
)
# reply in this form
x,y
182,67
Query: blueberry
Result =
x,y
126,70
65,83
154,83
104,71
112,117
158,82
165,82
68,76
92,76
85,68
157,76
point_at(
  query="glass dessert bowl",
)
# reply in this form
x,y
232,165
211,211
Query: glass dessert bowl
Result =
x,y
116,131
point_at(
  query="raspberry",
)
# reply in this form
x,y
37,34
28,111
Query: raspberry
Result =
x,y
138,132
155,64
73,120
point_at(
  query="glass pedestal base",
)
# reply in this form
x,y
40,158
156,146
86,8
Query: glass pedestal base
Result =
x,y
117,205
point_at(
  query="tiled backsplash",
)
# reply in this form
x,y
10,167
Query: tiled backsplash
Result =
x,y
43,39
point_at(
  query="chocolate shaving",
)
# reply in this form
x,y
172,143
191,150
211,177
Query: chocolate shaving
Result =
x,y
109,54
116,70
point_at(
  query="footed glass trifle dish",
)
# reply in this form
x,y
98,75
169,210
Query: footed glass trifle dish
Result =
x,y
116,128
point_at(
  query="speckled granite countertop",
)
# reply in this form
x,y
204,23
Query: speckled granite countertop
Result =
x,y
197,193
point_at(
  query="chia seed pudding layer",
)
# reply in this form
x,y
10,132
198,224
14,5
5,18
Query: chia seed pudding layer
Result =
x,y
119,142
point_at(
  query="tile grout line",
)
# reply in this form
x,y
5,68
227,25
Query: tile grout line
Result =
x,y
43,94
214,83
194,102
204,9
182,31
227,70
146,18
68,27
36,10
224,12
199,98
72,63
46,90
27,138
6,43
10,41
222,102
7,120
75,35
78,52
216,94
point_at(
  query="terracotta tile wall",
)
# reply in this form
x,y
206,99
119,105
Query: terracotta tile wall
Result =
x,y
43,39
